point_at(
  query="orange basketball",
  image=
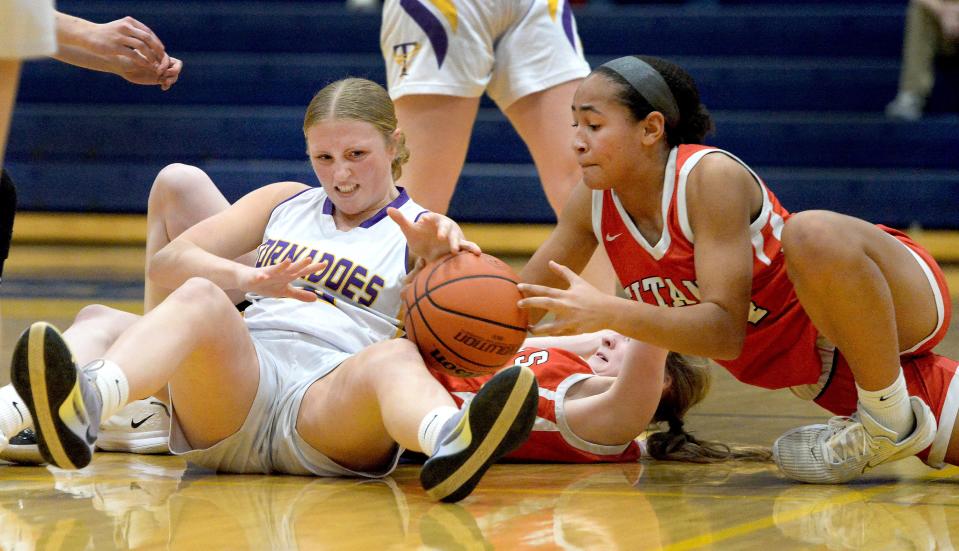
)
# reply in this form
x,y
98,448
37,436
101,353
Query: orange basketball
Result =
x,y
461,312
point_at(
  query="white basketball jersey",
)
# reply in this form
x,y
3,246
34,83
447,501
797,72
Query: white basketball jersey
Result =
x,y
360,287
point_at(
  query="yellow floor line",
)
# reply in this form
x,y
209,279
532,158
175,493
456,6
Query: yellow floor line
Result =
x,y
750,527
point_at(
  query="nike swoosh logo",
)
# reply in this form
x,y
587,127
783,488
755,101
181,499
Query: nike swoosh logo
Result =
x,y
612,237
136,424
18,411
884,398
91,434
93,367
162,405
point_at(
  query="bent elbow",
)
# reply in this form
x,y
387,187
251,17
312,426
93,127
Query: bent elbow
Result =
x,y
731,347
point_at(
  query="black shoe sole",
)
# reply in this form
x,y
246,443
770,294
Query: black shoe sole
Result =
x,y
500,419
45,376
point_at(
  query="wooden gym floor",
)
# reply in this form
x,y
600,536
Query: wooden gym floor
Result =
x,y
153,502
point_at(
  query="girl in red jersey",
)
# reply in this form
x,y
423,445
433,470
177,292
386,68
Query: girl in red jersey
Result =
x,y
600,391
773,297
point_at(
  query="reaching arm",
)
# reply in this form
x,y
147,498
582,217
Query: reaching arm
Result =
x,y
572,244
124,47
432,236
721,195
207,249
615,410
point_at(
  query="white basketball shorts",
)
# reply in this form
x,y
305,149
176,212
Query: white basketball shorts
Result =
x,y
509,49
268,442
27,29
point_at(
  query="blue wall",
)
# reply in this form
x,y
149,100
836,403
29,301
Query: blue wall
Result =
x,y
796,90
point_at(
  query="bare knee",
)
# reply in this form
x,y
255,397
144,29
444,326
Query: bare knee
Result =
x,y
105,316
201,298
811,246
172,185
388,360
102,323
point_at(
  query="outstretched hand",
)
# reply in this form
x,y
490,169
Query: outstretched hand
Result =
x,y
164,76
277,280
129,38
432,235
579,309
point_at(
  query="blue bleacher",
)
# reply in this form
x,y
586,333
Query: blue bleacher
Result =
x,y
796,90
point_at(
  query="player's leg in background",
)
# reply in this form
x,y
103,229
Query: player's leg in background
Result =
x,y
542,120
9,79
437,130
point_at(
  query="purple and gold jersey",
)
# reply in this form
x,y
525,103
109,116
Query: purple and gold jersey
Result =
x,y
359,289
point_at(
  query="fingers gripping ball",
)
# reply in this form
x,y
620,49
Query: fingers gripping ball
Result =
x,y
461,313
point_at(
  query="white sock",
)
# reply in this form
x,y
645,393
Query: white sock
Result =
x,y
112,384
890,406
14,415
429,431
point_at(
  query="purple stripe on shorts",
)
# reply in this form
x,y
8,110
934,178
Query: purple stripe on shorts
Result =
x,y
568,23
431,26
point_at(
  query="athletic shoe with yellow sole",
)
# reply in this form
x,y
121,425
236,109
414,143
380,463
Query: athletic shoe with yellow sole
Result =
x,y
63,401
495,422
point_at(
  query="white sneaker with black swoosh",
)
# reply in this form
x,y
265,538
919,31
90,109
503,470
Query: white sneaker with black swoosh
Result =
x,y
141,427
63,401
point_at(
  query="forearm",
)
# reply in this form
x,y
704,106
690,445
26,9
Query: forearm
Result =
x,y
180,260
73,31
75,55
703,329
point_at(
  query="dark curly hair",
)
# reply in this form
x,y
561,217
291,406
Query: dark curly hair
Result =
x,y
694,122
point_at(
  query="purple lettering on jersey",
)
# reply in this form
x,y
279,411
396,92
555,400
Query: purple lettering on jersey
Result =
x,y
294,253
372,290
354,281
276,252
335,280
262,251
318,276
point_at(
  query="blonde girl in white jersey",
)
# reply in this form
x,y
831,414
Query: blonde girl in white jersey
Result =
x,y
279,400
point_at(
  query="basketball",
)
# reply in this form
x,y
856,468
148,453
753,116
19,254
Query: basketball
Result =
x,y
461,312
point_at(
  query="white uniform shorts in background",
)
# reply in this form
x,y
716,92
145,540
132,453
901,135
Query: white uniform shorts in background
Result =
x,y
27,29
268,442
509,48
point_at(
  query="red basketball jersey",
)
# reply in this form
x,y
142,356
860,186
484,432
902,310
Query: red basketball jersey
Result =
x,y
779,332
551,440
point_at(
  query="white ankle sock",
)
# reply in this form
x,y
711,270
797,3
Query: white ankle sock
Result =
x,y
112,384
890,406
14,415
429,431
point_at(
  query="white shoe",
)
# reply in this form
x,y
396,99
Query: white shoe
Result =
x,y
22,449
907,106
140,427
843,449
